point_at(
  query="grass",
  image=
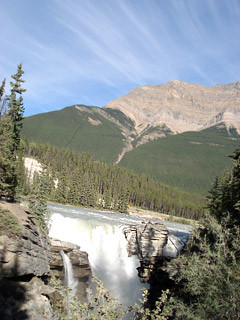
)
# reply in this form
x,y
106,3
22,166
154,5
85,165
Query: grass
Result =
x,y
9,224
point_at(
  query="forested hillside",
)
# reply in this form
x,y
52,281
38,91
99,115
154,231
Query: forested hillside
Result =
x,y
84,130
189,161
81,180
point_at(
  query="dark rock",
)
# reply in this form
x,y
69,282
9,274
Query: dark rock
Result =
x,y
26,254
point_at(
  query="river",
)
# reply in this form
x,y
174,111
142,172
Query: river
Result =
x,y
99,233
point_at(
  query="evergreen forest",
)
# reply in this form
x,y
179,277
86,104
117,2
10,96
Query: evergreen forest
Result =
x,y
78,179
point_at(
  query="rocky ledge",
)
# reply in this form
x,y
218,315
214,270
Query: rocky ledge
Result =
x,y
79,261
25,254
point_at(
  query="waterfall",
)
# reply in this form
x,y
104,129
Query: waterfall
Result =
x,y
106,246
100,235
69,279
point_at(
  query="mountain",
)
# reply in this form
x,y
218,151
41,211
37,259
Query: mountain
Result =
x,y
121,131
177,107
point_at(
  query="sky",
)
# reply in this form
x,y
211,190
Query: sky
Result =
x,y
93,51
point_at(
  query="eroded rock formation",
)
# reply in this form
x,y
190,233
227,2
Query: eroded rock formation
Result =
x,y
155,247
146,240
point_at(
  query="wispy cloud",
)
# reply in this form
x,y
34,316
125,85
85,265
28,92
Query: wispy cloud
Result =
x,y
93,51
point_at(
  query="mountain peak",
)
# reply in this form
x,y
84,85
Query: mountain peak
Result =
x,y
181,106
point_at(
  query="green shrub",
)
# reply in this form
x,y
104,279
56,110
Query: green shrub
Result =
x,y
9,224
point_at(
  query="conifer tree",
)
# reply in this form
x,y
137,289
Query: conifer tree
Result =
x,y
15,106
10,126
39,197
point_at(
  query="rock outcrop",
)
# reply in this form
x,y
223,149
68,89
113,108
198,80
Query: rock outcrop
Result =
x,y
27,262
79,260
146,240
154,246
27,254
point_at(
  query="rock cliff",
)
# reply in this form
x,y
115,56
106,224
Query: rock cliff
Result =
x,y
181,106
154,246
27,254
79,260
146,240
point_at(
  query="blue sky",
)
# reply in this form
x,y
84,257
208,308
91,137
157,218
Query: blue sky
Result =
x,y
93,51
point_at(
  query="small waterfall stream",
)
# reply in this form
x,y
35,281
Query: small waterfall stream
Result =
x,y
69,279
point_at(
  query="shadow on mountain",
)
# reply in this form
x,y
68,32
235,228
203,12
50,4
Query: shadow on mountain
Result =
x,y
13,294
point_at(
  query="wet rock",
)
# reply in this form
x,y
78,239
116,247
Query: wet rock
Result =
x,y
79,260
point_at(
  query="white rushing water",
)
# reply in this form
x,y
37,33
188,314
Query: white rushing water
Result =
x,y
69,279
100,235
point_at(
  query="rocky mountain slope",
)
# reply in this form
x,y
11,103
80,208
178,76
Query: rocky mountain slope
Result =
x,y
178,106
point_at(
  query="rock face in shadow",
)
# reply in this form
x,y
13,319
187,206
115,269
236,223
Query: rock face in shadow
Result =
x,y
27,254
24,262
79,260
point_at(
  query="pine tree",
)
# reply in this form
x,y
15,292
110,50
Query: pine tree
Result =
x,y
11,116
39,197
15,106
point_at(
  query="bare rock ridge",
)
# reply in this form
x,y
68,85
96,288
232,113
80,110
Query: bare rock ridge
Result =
x,y
176,107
